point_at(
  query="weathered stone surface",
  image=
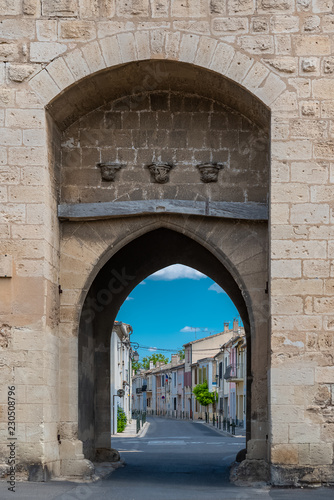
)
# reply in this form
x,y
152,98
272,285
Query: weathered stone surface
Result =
x,y
46,30
230,25
160,8
275,5
312,23
285,454
195,8
285,24
20,72
243,7
193,26
30,7
9,51
10,7
283,64
60,8
329,65
250,471
133,8
107,455
309,65
260,25
314,45
83,30
217,6
46,51
276,50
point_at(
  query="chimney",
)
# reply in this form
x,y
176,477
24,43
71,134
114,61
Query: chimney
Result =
x,y
175,359
151,365
235,326
226,327
157,364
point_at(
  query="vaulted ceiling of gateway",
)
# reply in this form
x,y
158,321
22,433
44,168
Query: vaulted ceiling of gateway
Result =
x,y
138,77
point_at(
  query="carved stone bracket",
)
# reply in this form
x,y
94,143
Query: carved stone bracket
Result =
x,y
209,171
109,169
160,172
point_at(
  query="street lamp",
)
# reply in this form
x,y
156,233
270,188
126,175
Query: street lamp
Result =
x,y
135,356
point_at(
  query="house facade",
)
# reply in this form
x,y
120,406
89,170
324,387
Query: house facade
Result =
x,y
231,379
120,371
165,390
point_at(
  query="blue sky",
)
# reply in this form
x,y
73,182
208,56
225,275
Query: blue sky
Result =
x,y
174,306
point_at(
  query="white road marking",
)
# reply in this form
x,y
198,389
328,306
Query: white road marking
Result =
x,y
178,442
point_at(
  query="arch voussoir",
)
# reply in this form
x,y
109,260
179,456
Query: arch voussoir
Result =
x,y
202,51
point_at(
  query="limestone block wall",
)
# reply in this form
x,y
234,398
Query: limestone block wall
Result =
x,y
279,50
183,130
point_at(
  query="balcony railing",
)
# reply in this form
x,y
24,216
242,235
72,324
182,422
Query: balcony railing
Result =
x,y
234,373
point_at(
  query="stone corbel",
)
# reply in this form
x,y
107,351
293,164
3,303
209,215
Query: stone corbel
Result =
x,y
109,169
160,172
209,171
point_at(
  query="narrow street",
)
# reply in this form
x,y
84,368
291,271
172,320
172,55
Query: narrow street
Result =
x,y
184,460
175,460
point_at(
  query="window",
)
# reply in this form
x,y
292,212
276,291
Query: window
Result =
x,y
162,381
174,403
220,370
174,379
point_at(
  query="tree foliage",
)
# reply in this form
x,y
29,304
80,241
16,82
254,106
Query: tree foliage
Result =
x,y
135,366
121,419
203,395
181,353
155,358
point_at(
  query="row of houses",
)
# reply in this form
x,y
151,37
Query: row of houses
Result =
x,y
120,371
219,360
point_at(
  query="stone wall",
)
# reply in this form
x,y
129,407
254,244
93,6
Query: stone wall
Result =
x,y
281,52
183,130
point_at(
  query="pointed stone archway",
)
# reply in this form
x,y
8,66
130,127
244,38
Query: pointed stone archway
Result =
x,y
237,216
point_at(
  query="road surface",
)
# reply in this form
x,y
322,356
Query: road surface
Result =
x,y
175,460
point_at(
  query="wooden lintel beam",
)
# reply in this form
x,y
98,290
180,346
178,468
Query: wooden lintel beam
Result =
x,y
107,210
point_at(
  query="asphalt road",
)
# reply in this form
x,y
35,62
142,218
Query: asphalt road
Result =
x,y
175,460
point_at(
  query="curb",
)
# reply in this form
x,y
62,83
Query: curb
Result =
x,y
219,431
103,469
141,433
143,430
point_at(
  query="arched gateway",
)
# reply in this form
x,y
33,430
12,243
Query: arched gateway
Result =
x,y
155,150
164,171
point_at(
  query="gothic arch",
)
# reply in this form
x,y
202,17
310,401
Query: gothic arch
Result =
x,y
159,245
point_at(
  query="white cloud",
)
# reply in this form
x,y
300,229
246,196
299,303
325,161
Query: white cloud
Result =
x,y
216,288
152,349
143,283
177,271
187,329
129,298
193,329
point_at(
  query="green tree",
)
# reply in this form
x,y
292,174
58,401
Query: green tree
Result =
x,y
136,366
121,419
155,358
181,353
203,395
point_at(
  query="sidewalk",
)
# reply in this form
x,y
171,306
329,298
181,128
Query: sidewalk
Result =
x,y
130,430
